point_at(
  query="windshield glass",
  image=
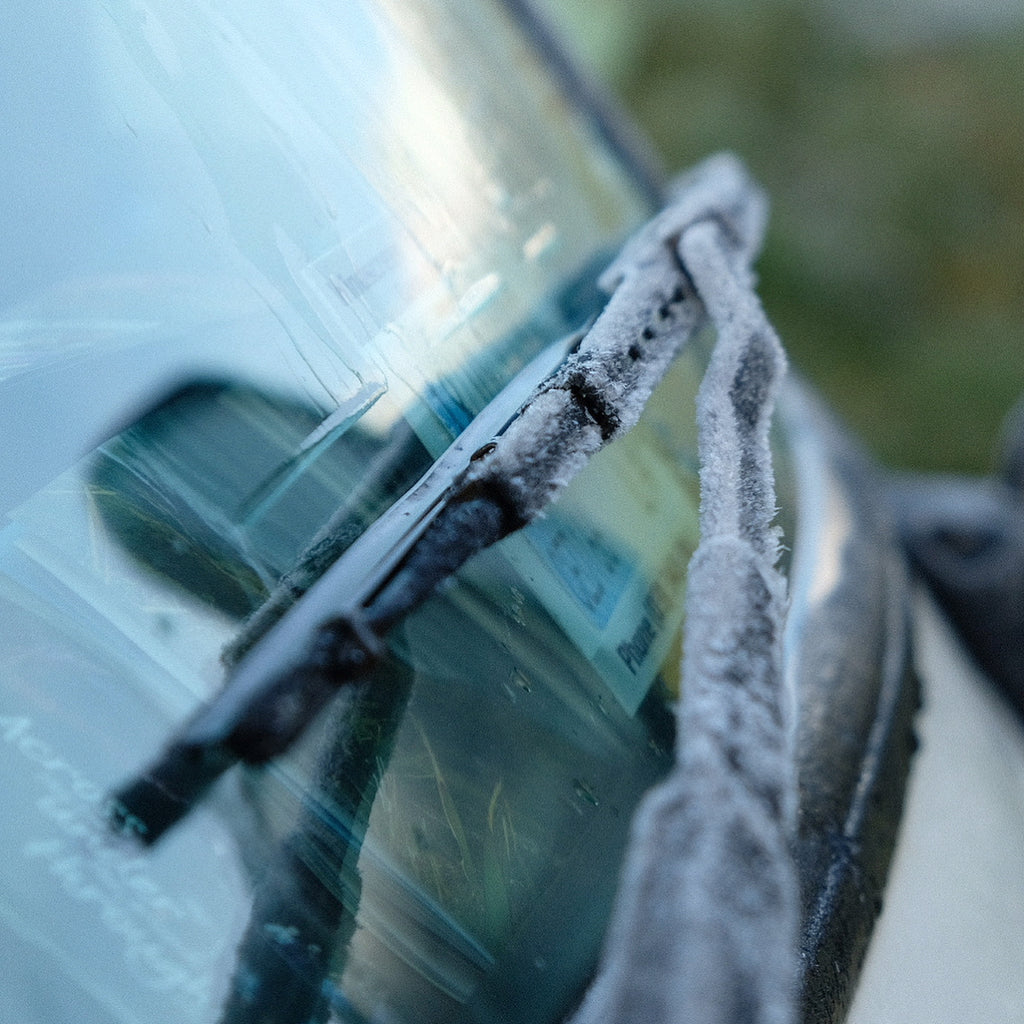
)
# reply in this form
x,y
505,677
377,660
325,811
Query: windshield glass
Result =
x,y
320,240
345,204
263,262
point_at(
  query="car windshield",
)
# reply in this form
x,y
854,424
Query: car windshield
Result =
x,y
263,263
330,205
317,240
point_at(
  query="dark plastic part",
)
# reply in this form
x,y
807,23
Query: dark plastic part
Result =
x,y
255,729
965,538
858,695
150,804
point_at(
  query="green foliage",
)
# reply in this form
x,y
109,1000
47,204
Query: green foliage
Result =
x,y
894,269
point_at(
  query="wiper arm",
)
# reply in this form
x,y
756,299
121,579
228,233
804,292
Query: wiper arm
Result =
x,y
499,475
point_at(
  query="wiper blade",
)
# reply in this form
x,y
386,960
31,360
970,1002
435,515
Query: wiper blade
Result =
x,y
501,473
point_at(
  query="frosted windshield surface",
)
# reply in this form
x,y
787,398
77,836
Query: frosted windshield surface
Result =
x,y
335,200
249,250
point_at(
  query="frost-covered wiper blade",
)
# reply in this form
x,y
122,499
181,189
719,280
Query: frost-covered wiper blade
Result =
x,y
499,476
706,917
329,637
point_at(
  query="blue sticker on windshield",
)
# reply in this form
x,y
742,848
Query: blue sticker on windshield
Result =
x,y
594,573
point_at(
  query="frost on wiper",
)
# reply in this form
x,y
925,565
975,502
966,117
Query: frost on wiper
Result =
x,y
706,921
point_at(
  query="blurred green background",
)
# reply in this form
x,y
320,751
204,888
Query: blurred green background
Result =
x,y
891,140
